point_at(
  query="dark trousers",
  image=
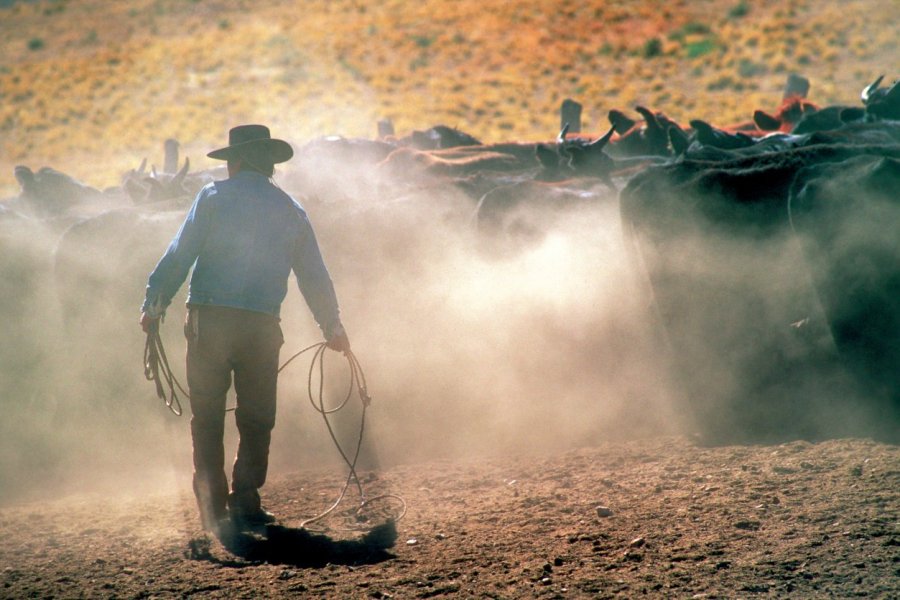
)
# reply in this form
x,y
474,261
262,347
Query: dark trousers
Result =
x,y
223,342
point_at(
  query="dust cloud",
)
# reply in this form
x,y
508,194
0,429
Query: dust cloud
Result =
x,y
472,344
476,344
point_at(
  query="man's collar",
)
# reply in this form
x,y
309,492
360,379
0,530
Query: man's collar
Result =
x,y
249,175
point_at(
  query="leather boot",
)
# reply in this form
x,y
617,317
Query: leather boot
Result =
x,y
211,500
246,510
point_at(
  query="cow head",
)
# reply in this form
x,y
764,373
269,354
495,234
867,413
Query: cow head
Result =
x,y
438,137
636,138
142,187
576,158
791,111
882,103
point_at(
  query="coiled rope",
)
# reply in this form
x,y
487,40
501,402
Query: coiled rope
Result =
x,y
317,400
157,369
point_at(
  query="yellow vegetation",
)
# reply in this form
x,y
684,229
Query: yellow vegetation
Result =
x,y
91,87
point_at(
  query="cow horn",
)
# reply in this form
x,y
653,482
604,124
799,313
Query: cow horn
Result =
x,y
678,139
649,117
179,177
766,122
143,167
620,121
562,134
870,89
601,142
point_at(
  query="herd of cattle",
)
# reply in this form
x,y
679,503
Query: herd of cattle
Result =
x,y
766,249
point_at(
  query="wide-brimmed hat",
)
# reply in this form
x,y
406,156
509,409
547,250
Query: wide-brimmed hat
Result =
x,y
253,141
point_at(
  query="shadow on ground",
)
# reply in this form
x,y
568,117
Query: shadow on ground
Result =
x,y
277,544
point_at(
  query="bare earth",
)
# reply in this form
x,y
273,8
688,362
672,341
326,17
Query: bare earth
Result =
x,y
681,520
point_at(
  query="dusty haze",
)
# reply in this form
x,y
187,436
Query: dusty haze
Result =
x,y
470,345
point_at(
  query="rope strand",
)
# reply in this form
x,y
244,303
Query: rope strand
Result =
x,y
157,370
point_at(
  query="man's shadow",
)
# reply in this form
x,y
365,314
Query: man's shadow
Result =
x,y
277,544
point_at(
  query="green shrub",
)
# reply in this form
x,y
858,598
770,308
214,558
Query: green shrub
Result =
x,y
652,48
423,41
741,9
690,28
704,46
748,68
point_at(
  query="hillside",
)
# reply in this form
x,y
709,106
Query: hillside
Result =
x,y
92,87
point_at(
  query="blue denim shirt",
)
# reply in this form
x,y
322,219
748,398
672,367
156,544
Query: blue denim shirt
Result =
x,y
243,236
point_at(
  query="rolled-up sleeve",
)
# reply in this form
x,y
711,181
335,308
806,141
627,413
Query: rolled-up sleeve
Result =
x,y
314,281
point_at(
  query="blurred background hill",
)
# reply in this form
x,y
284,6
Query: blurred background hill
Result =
x,y
91,87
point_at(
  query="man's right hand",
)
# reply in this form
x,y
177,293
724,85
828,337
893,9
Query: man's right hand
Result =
x,y
149,323
339,343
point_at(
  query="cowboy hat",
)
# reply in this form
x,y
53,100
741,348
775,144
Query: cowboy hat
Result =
x,y
256,141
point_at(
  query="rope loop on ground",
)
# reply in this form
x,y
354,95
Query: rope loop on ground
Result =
x,y
317,400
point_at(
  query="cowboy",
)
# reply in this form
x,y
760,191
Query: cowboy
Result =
x,y
242,236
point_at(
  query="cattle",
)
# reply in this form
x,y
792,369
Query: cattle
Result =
x,y
792,110
714,137
8,214
878,105
50,194
100,268
522,212
437,138
661,136
796,116
142,187
829,118
831,125
100,264
649,137
881,103
569,159
25,260
336,168
29,330
779,126
847,216
575,173
475,170
453,163
727,281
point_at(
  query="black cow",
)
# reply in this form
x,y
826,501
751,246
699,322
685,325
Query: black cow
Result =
x,y
437,138
649,137
728,281
847,216
142,187
49,193
881,103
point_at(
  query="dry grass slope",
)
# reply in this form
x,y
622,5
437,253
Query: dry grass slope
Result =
x,y
91,87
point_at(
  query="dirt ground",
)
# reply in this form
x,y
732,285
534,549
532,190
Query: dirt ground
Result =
x,y
657,518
